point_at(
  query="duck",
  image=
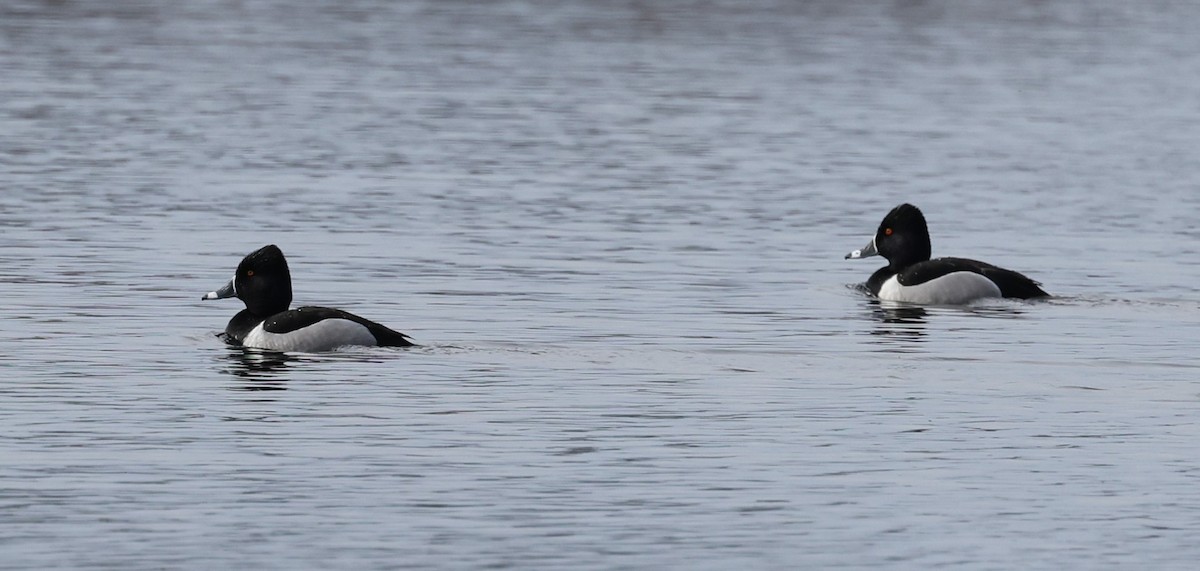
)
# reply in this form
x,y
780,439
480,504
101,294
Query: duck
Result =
x,y
264,283
912,277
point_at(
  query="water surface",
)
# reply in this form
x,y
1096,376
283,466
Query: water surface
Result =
x,y
617,232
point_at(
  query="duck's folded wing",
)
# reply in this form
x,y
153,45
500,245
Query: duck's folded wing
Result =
x,y
302,317
1011,284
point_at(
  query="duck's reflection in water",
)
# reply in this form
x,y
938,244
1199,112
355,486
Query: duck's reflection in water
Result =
x,y
903,326
262,370
899,325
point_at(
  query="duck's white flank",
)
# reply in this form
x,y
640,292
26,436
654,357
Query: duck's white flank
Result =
x,y
323,335
956,288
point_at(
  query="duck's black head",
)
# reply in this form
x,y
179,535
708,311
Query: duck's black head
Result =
x,y
902,238
262,281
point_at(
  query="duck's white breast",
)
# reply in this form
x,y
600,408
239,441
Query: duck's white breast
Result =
x,y
955,288
323,335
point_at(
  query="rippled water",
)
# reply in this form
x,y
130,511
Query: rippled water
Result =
x,y
617,231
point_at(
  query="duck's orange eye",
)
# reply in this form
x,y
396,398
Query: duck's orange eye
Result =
x,y
886,232
250,273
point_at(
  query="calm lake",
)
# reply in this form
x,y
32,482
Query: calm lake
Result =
x,y
617,231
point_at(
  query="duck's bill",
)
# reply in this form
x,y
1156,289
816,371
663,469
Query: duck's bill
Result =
x,y
867,251
222,293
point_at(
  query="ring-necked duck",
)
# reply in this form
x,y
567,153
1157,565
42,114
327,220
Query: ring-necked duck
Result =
x,y
264,283
910,276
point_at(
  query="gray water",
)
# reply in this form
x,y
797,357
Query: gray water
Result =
x,y
616,229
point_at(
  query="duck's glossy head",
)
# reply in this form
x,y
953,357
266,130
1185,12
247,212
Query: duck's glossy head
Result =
x,y
902,238
262,281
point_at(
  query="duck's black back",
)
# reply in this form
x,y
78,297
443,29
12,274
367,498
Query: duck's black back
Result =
x,y
1011,284
302,317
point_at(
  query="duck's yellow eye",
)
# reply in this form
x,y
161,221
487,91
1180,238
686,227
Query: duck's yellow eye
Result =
x,y
250,273
886,232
